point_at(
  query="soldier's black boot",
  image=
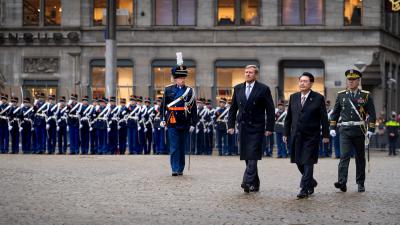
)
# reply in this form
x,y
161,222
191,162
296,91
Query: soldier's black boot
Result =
x,y
361,188
341,186
303,194
314,185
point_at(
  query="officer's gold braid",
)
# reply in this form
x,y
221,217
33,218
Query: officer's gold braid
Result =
x,y
363,115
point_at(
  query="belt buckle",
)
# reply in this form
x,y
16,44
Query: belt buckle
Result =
x,y
351,123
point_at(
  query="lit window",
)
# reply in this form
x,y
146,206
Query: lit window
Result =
x,y
124,12
53,12
124,82
31,11
238,12
302,12
352,12
227,78
249,12
226,12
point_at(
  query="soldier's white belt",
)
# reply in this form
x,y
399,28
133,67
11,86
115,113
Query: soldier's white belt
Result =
x,y
74,116
3,117
280,123
353,123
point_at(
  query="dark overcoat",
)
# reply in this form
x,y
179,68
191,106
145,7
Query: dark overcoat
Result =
x,y
254,116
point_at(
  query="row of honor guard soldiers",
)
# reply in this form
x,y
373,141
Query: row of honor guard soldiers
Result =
x,y
104,127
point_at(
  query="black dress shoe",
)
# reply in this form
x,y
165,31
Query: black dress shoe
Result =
x,y
303,194
361,188
246,187
174,174
180,173
341,186
314,185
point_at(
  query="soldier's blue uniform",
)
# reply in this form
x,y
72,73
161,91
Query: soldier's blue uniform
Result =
x,y
209,131
39,124
141,126
201,128
122,127
280,116
180,117
61,115
221,127
51,126
14,125
73,125
92,114
100,124
159,132
353,107
26,117
132,126
148,126
112,130
4,132
84,125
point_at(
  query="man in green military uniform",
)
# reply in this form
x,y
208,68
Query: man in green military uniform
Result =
x,y
353,106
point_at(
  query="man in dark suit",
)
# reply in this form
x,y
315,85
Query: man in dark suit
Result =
x,y
251,101
305,117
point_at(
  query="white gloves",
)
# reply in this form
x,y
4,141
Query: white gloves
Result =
x,y
70,102
191,129
47,126
333,133
119,127
108,129
90,129
32,129
369,134
162,124
145,130
80,126
58,128
67,128
10,128
20,129
135,118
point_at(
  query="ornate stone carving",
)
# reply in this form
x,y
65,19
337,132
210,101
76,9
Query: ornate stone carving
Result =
x,y
41,64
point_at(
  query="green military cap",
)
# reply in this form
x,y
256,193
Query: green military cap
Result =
x,y
353,74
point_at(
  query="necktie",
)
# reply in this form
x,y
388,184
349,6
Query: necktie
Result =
x,y
303,99
248,91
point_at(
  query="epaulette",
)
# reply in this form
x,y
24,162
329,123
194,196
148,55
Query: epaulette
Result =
x,y
364,91
170,85
342,91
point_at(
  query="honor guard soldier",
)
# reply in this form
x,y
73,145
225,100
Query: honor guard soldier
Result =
x,y
141,125
132,125
14,125
148,124
84,128
112,130
26,127
39,123
221,127
209,127
61,115
73,124
100,124
122,126
179,109
232,138
326,149
4,135
92,114
280,116
201,127
51,124
159,132
352,106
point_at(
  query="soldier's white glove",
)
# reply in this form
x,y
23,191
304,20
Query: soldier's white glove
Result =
x,y
135,118
145,130
119,127
58,128
162,124
191,129
47,126
369,134
67,128
138,128
70,102
21,129
10,128
35,102
80,126
108,129
197,131
32,129
332,133
91,129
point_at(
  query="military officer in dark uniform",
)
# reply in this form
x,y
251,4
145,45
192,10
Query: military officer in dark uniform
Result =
x,y
159,132
14,125
122,126
132,125
92,114
209,132
26,127
352,106
61,115
221,127
4,132
51,124
112,130
100,124
84,128
179,114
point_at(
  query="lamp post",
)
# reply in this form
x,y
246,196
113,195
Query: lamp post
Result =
x,y
111,49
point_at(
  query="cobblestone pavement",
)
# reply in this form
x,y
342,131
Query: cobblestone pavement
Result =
x,y
42,189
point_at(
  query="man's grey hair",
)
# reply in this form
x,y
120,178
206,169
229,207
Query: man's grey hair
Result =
x,y
256,70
